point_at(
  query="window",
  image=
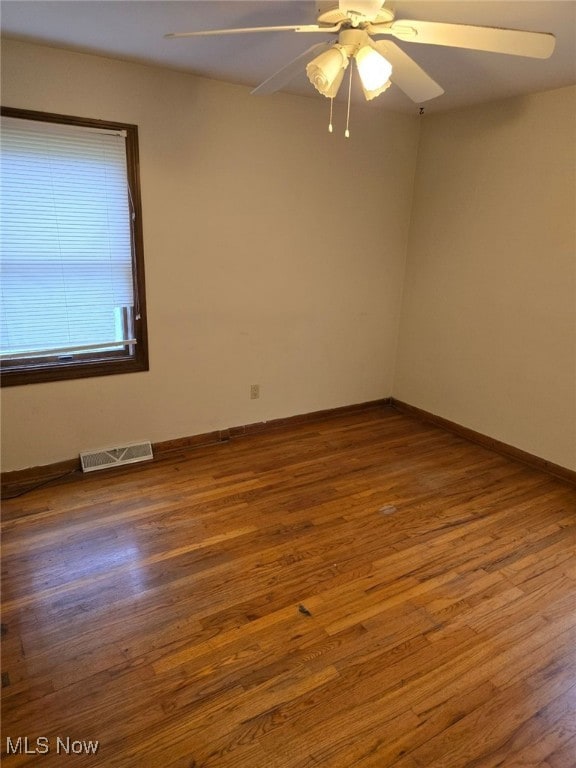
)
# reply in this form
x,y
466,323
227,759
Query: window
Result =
x,y
72,270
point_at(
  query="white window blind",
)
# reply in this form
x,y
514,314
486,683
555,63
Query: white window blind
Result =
x,y
66,245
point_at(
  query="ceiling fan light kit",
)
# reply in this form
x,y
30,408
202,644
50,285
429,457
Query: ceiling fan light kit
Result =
x,y
357,22
326,71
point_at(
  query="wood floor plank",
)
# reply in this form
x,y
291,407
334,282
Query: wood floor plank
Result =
x,y
483,735
563,756
393,751
364,591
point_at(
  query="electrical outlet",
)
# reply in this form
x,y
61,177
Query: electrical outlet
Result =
x,y
254,391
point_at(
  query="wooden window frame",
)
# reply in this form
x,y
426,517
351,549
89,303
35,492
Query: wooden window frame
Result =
x,y
59,368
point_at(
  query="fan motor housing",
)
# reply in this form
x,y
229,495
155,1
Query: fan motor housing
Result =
x,y
352,40
358,14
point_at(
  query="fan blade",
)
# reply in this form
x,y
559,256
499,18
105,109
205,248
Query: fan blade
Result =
x,y
288,72
243,30
537,45
408,75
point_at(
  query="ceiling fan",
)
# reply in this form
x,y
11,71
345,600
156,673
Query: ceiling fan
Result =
x,y
380,62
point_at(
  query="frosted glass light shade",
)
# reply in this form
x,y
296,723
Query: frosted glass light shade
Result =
x,y
369,95
326,71
373,68
333,89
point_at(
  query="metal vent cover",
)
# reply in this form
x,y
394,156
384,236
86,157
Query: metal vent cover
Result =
x,y
115,457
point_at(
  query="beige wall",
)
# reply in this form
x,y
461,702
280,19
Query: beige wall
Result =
x,y
274,255
488,331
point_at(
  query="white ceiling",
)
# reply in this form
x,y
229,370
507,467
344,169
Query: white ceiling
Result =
x,y
134,29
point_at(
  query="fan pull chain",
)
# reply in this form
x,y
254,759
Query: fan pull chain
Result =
x,y
347,132
330,123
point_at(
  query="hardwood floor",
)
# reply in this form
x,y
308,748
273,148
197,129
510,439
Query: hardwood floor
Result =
x,y
366,591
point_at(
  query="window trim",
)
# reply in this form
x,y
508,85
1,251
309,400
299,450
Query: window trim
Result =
x,y
37,370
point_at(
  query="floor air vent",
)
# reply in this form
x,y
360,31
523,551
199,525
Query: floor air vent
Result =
x,y
115,457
